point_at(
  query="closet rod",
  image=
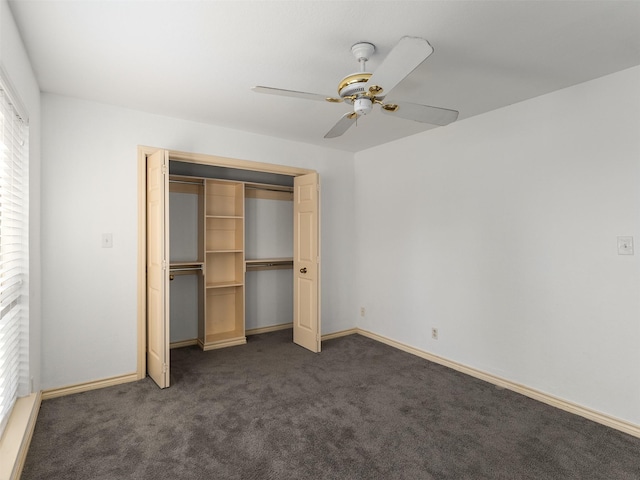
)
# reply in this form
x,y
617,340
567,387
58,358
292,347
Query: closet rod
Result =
x,y
283,190
184,269
249,265
269,264
186,183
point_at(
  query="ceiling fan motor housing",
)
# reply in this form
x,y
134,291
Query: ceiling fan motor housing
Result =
x,y
354,84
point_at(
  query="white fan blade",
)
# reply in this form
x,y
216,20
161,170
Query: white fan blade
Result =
x,y
423,113
295,94
401,61
343,125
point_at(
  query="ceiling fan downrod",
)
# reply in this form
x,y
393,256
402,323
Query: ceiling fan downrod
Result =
x,y
363,51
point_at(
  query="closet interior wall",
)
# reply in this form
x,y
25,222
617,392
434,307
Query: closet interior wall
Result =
x,y
269,235
185,242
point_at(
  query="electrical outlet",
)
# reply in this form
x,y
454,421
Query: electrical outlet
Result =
x,y
362,311
625,245
107,240
434,333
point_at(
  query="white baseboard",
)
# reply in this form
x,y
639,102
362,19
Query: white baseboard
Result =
x,y
184,343
85,387
222,344
17,436
598,417
271,328
342,333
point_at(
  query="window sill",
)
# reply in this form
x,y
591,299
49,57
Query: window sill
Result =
x,y
17,436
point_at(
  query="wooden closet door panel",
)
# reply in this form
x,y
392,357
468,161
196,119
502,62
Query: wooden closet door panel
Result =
x,y
157,268
306,265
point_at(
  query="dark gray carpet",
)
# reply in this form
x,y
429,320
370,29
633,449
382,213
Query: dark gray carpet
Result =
x,y
358,410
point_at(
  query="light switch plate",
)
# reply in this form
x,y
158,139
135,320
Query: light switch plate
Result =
x,y
625,245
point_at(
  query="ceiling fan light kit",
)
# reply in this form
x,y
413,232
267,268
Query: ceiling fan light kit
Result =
x,y
365,89
362,105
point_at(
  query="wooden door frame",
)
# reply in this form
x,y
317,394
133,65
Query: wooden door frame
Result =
x,y
212,160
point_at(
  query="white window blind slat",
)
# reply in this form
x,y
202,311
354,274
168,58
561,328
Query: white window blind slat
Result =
x,y
14,254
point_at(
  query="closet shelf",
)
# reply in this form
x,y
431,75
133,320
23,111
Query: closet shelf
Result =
x,y
225,216
232,283
225,250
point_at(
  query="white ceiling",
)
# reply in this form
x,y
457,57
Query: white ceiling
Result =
x,y
197,60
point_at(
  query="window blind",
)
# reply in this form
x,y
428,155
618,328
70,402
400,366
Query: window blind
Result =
x,y
14,255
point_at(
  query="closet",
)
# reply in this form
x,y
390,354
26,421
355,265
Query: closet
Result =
x,y
208,272
229,242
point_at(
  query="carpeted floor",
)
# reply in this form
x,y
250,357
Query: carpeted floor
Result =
x,y
358,410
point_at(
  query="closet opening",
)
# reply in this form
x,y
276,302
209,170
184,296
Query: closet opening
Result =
x,y
231,250
268,254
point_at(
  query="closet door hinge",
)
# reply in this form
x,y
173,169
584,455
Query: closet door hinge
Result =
x,y
165,368
164,264
164,169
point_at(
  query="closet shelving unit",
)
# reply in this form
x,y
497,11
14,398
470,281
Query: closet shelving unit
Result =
x,y
224,265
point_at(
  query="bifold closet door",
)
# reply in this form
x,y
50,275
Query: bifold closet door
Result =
x,y
157,268
306,265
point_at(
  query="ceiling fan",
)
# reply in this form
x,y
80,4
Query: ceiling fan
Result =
x,y
363,89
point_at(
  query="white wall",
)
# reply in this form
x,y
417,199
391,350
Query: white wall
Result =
x,y
500,231
15,64
90,187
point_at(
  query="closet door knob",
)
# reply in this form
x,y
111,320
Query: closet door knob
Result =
x,y
303,270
